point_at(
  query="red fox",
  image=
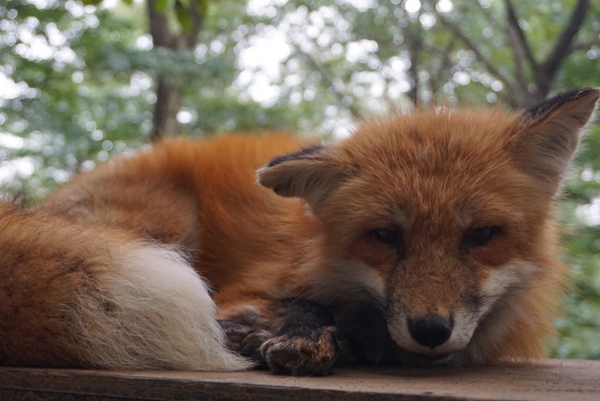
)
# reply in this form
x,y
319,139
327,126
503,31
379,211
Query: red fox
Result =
x,y
425,238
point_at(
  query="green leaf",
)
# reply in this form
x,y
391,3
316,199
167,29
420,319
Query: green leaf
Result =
x,y
91,2
183,16
160,5
128,2
202,6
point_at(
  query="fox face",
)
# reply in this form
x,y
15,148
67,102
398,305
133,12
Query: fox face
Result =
x,y
447,228
444,220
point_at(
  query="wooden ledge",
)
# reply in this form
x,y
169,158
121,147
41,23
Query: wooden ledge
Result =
x,y
548,380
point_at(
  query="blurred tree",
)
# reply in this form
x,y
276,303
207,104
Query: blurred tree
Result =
x,y
168,95
81,81
59,115
436,51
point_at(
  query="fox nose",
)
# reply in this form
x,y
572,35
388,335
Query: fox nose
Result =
x,y
430,331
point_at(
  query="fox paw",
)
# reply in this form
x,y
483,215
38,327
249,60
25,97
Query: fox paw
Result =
x,y
245,340
302,354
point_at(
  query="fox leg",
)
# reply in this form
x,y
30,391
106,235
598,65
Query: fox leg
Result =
x,y
246,340
289,336
304,342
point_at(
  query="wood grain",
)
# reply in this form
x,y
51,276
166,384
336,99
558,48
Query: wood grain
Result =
x,y
549,380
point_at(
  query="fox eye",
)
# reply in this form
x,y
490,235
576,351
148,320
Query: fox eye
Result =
x,y
387,236
480,236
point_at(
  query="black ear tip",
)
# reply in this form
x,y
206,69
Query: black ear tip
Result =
x,y
577,93
595,91
303,153
587,91
555,102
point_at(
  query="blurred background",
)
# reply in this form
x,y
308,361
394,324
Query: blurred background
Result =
x,y
82,81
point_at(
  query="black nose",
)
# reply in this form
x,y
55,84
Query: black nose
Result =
x,y
430,331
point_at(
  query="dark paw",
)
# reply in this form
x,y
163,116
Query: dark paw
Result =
x,y
302,354
245,340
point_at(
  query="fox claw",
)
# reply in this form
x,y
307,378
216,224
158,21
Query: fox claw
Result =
x,y
304,354
246,340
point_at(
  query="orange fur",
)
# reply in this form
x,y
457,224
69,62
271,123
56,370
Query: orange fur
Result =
x,y
433,175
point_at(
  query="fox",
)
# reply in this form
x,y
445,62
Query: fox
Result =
x,y
424,238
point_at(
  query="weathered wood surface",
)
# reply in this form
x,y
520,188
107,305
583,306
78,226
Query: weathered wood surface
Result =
x,y
549,380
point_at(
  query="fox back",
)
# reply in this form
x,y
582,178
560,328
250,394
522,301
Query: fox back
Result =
x,y
426,237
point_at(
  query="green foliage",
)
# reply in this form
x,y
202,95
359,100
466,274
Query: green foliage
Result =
x,y
183,16
78,108
84,86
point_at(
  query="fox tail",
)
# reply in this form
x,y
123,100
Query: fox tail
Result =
x,y
75,295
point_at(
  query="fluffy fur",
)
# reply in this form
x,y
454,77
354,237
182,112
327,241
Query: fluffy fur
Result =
x,y
90,296
446,213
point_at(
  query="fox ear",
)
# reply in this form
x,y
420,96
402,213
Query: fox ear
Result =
x,y
549,133
310,174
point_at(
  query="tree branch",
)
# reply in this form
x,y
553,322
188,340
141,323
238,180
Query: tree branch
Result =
x,y
517,36
473,47
414,45
512,88
562,49
328,78
586,44
521,51
445,63
519,58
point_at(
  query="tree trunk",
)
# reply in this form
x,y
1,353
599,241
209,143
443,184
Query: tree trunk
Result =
x,y
168,103
168,93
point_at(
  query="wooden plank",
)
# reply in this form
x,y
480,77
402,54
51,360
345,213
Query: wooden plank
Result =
x,y
549,380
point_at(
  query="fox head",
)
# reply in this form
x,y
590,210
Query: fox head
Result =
x,y
445,217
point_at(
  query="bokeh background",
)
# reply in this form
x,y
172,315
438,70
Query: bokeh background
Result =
x,y
82,81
